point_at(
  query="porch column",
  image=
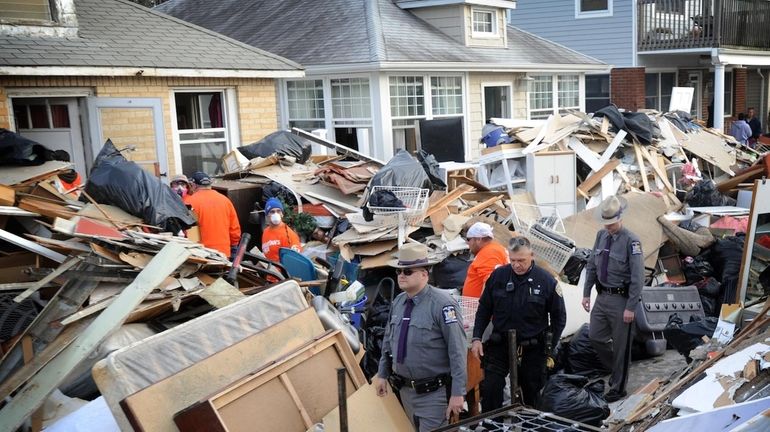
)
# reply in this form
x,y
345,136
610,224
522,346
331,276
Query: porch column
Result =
x,y
719,96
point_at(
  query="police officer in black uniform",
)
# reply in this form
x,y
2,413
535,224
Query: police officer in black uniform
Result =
x,y
526,298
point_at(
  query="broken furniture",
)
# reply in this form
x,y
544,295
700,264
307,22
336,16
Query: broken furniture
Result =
x,y
503,168
658,305
517,418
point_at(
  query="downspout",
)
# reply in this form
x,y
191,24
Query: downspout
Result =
x,y
762,98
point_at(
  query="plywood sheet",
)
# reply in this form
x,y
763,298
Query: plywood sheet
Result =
x,y
641,218
711,149
368,412
152,409
10,175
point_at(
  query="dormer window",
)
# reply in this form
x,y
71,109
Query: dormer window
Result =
x,y
484,22
25,10
593,8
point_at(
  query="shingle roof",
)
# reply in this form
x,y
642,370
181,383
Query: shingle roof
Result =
x,y
118,33
336,32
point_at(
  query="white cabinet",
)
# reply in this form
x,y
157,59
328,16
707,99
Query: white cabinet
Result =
x,y
503,168
551,180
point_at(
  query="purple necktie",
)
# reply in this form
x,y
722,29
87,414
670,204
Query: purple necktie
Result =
x,y
404,331
605,260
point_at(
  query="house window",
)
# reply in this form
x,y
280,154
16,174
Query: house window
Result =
x,y
728,94
593,8
202,130
446,95
670,6
658,88
36,10
597,92
352,110
40,114
552,94
306,104
408,99
484,22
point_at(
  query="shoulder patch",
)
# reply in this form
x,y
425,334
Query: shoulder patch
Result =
x,y
558,290
450,314
636,247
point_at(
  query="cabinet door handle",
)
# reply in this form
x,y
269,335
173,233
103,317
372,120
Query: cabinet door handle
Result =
x,y
551,179
557,179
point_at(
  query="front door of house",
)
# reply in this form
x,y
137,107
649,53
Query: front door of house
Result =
x,y
135,126
497,101
54,122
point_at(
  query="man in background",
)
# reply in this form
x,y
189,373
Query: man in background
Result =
x,y
488,255
216,215
756,126
740,130
277,234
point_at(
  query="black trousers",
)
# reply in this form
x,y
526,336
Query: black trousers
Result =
x,y
531,374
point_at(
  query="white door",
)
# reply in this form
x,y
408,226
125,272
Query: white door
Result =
x,y
134,125
694,80
54,123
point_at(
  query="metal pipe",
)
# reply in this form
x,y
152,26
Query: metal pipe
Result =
x,y
762,100
513,362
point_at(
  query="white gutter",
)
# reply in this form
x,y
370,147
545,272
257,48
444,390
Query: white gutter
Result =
x,y
145,71
414,4
677,51
450,67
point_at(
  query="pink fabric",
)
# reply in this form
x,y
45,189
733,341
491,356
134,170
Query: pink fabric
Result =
x,y
739,224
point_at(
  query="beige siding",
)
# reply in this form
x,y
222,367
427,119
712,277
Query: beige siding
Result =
x,y
496,42
476,115
256,104
448,19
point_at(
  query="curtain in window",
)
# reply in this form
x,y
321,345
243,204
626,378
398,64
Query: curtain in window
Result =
x,y
215,111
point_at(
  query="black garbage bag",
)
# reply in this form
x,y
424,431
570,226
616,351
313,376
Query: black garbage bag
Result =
x,y
284,143
402,170
451,272
577,261
684,337
582,358
122,183
17,150
638,125
709,287
726,256
430,165
560,358
705,194
277,190
709,306
697,269
576,398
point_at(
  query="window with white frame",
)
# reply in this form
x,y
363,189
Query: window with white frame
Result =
x,y
658,88
305,100
551,94
352,112
728,94
409,100
202,130
484,22
597,92
593,8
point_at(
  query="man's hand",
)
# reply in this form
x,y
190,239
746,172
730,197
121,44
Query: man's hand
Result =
x,y
628,316
586,303
454,407
381,385
477,349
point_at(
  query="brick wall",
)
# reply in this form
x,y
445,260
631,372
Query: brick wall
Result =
x,y
627,88
256,101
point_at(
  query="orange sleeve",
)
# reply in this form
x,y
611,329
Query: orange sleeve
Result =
x,y
235,227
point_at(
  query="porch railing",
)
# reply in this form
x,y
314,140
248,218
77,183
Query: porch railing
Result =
x,y
683,24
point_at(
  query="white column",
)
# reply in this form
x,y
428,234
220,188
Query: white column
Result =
x,y
382,148
719,96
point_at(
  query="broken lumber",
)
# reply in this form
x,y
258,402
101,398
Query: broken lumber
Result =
x,y
596,178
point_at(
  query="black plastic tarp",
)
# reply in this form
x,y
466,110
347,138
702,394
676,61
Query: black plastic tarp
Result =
x,y
124,184
20,151
636,124
283,143
402,170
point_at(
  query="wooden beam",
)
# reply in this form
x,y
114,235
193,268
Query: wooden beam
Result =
x,y
612,147
481,206
447,199
31,246
38,388
47,279
596,178
642,168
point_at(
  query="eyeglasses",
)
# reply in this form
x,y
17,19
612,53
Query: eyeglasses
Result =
x,y
405,272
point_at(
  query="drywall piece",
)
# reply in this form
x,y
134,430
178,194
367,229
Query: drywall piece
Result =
x,y
368,412
11,175
131,369
220,294
711,149
717,388
724,419
31,246
53,374
152,410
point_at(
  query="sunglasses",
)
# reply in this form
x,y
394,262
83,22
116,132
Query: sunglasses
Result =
x,y
405,272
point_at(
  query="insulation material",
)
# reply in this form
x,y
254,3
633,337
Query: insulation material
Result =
x,y
131,369
721,382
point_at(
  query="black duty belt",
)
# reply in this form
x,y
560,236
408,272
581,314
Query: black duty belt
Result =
x,y
420,386
612,290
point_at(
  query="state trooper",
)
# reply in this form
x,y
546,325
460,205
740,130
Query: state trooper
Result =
x,y
616,267
525,298
424,351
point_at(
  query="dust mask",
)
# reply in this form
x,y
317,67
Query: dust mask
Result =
x,y
275,218
181,190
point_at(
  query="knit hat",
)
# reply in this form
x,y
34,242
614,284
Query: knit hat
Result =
x,y
273,203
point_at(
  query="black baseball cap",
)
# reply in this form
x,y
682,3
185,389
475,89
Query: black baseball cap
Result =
x,y
201,178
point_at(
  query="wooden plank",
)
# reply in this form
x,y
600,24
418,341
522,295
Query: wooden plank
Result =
x,y
47,279
334,202
53,374
7,195
642,168
540,135
612,147
481,206
371,413
654,164
448,199
31,246
15,175
37,417
596,178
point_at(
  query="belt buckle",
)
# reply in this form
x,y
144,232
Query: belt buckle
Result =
x,y
412,385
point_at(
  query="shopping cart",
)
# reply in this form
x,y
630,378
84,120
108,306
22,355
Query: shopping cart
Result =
x,y
414,204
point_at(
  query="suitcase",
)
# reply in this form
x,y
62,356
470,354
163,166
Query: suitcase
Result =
x,y
657,305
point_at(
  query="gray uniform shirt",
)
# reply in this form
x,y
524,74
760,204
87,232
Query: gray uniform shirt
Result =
x,y
626,264
436,342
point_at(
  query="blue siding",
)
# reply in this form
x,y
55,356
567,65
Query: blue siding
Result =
x,y
608,39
